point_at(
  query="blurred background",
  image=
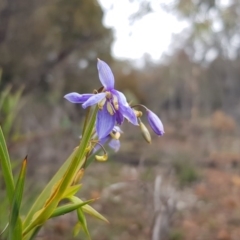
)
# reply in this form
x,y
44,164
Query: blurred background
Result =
x,y
181,58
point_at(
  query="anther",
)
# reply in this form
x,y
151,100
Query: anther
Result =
x,y
138,113
115,102
108,95
115,135
101,103
110,108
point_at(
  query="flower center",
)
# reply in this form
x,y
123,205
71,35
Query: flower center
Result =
x,y
112,103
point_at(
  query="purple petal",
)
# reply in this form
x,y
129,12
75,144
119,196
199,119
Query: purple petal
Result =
x,y
155,123
117,129
105,122
94,99
124,108
121,97
105,75
129,114
114,144
119,118
77,98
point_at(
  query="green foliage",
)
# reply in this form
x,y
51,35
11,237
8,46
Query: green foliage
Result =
x,y
176,234
64,185
6,166
15,222
186,171
9,107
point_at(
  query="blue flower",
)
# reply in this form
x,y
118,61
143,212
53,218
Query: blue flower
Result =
x,y
113,142
113,106
155,123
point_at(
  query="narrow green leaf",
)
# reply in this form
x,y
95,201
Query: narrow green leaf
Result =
x,y
47,190
15,224
34,233
4,94
75,163
69,208
77,229
89,210
83,222
6,167
11,110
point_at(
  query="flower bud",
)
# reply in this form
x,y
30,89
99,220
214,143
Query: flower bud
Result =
x,y
102,158
145,132
155,123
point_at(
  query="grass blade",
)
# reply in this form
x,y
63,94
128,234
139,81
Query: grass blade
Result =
x,y
6,167
15,225
69,208
83,222
89,210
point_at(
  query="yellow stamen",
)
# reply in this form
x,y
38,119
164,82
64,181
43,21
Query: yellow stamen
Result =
x,y
138,113
115,102
115,135
108,95
101,103
110,108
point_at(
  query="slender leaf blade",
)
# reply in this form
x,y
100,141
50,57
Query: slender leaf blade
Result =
x,y
15,223
69,208
6,167
83,222
89,210
75,163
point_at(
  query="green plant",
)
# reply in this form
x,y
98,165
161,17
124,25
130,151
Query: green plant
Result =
x,y
176,234
9,107
108,107
186,171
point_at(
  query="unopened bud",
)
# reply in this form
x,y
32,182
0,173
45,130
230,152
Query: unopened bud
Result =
x,y
102,158
155,123
145,132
